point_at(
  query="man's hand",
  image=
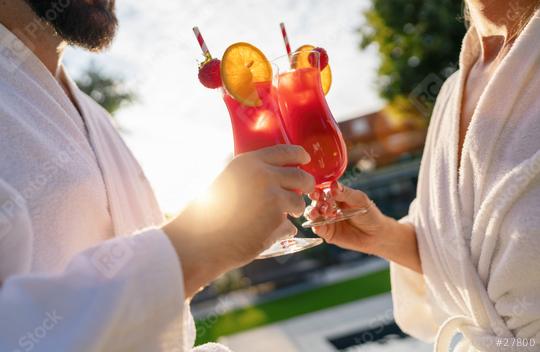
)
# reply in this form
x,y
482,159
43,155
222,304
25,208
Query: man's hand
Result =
x,y
244,214
371,233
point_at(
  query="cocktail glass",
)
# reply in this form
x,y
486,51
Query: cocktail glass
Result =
x,y
256,127
309,122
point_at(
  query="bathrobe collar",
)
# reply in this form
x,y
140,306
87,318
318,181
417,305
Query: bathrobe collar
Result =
x,y
132,204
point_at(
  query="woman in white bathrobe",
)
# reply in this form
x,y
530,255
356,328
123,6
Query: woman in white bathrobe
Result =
x,y
467,257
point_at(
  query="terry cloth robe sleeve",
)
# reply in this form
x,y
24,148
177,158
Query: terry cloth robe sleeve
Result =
x,y
117,296
415,310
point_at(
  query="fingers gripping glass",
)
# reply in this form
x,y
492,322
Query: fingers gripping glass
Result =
x,y
308,122
256,127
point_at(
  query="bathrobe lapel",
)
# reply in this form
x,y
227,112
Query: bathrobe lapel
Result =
x,y
131,200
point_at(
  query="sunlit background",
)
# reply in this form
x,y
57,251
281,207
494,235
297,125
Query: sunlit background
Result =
x,y
179,130
388,58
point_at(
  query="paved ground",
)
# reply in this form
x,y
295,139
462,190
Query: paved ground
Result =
x,y
312,332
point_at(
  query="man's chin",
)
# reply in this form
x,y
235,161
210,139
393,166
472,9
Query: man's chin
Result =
x,y
101,3
97,42
89,24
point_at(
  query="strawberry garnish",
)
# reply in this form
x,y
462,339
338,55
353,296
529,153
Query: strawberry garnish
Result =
x,y
209,74
323,58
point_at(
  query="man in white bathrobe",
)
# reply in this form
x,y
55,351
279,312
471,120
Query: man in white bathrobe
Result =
x,y
70,188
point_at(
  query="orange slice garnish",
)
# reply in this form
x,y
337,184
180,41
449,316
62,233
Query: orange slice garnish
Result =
x,y
301,60
242,66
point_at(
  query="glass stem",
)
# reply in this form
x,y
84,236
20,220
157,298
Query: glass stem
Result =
x,y
329,208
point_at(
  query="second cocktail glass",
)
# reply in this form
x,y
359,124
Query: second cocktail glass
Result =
x,y
259,125
308,122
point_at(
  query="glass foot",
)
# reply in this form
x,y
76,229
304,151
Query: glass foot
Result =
x,y
289,246
341,215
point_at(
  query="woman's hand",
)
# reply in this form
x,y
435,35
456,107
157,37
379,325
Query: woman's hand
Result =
x,y
371,233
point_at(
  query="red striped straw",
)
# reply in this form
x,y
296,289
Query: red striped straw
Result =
x,y
202,44
285,39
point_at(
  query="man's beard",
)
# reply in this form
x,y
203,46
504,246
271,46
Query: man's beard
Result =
x,y
90,24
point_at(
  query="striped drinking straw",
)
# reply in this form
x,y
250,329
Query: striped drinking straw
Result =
x,y
202,44
285,39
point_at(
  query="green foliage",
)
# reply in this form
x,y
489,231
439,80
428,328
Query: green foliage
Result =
x,y
415,38
231,281
211,328
108,91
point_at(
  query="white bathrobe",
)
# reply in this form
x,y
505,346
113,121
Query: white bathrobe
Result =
x,y
69,188
478,228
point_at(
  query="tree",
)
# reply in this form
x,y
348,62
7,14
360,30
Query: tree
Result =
x,y
415,39
108,91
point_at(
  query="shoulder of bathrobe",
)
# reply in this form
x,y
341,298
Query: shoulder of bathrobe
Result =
x,y
99,114
450,83
90,103
104,124
448,89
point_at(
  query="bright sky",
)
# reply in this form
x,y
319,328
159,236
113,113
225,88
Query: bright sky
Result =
x,y
180,131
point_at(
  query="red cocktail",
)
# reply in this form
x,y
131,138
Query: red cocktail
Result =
x,y
308,122
256,127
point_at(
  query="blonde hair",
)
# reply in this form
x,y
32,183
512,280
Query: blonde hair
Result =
x,y
466,14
